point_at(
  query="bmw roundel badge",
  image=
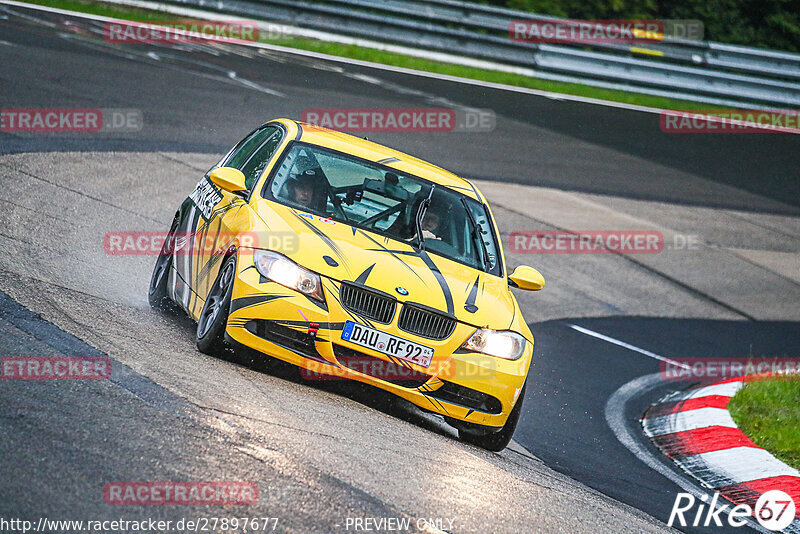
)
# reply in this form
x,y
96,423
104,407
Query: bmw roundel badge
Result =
x,y
403,291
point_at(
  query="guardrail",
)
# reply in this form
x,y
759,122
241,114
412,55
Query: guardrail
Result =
x,y
697,70
482,17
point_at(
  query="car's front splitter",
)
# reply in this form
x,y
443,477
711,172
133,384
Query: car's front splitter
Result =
x,y
285,324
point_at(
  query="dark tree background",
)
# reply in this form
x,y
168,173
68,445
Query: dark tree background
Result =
x,y
762,23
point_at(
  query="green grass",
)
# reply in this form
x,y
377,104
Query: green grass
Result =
x,y
106,10
399,60
768,411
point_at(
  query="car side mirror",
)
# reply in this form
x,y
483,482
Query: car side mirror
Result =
x,y
526,278
229,179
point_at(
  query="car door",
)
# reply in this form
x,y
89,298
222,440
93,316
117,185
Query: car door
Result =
x,y
231,215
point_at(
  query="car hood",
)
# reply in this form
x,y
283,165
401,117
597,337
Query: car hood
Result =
x,y
345,253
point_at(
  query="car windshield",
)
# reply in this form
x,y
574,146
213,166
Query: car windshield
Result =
x,y
367,196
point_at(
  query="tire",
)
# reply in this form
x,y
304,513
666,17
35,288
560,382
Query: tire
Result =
x,y
495,441
157,293
213,319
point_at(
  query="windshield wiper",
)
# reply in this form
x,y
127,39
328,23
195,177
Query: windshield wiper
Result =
x,y
483,254
423,207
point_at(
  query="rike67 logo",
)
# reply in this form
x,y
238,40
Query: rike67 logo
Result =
x,y
775,510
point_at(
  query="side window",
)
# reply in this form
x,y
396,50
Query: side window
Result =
x,y
258,161
242,152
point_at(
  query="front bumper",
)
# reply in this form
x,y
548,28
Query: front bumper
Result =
x,y
285,324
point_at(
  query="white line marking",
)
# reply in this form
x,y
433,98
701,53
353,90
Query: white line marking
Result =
x,y
688,420
253,85
736,465
615,417
628,346
231,76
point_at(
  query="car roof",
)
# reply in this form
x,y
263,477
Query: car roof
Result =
x,y
368,150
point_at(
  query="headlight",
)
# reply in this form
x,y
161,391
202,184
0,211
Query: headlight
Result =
x,y
285,272
502,344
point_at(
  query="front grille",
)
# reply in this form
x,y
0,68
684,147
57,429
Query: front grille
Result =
x,y
429,324
368,304
377,368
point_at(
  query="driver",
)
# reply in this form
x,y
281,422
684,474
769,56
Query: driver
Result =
x,y
300,191
305,185
432,227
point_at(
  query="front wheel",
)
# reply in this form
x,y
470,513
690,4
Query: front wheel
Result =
x,y
210,336
495,441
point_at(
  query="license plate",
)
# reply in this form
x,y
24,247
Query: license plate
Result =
x,y
387,343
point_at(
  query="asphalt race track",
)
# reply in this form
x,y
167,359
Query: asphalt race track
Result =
x,y
322,453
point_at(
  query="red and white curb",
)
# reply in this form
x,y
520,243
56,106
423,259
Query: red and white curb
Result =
x,y
695,430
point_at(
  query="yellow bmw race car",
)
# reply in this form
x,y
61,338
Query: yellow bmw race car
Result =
x,y
354,261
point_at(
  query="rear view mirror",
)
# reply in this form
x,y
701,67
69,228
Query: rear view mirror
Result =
x,y
229,179
526,278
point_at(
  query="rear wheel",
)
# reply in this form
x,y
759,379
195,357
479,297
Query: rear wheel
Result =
x,y
495,441
210,336
157,294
